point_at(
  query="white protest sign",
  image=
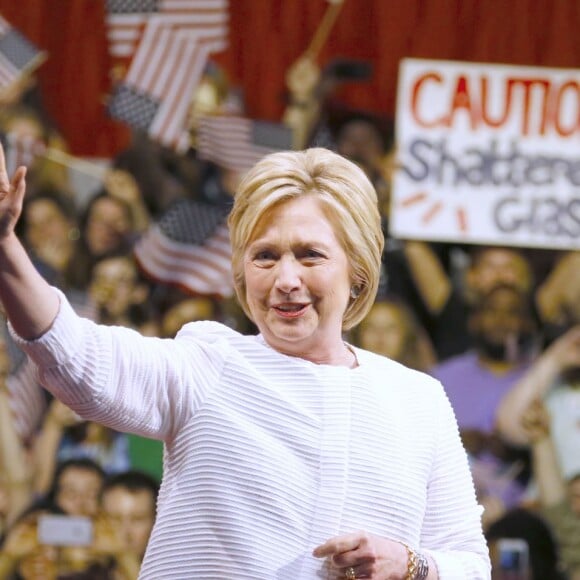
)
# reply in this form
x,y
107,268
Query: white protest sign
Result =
x,y
487,154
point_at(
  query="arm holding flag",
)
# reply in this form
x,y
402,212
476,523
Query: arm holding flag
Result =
x,y
304,82
303,109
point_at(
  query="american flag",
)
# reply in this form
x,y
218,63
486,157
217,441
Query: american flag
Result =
x,y
189,247
155,95
173,49
17,54
126,20
237,143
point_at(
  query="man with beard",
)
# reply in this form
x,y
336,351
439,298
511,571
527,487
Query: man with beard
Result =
x,y
449,292
504,330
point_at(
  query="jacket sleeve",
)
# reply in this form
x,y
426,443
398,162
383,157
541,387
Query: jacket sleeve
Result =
x,y
117,377
452,532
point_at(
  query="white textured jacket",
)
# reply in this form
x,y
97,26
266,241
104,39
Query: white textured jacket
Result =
x,y
266,455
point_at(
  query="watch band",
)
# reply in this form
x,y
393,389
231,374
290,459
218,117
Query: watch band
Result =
x,y
417,565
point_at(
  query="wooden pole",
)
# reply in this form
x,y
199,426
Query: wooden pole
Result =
x,y
323,31
86,167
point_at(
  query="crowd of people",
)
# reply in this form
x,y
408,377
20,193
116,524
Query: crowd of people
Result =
x,y
499,327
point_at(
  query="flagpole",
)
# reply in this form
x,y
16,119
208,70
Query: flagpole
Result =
x,y
35,63
324,28
86,167
303,81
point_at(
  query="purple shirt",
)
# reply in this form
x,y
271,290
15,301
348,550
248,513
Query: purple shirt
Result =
x,y
474,392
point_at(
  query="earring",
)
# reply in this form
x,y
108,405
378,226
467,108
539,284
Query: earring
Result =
x,y
354,291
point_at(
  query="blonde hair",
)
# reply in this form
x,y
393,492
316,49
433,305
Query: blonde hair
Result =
x,y
347,195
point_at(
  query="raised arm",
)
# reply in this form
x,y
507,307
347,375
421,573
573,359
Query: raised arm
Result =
x,y
547,472
304,105
559,291
47,443
535,384
29,302
429,275
14,466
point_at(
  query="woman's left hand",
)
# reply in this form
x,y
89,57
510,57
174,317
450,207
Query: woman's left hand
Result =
x,y
368,555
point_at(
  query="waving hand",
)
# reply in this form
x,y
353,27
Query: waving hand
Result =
x,y
11,196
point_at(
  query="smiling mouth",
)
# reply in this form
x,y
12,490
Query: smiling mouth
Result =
x,y
290,310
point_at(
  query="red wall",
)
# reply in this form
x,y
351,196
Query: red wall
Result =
x,y
267,35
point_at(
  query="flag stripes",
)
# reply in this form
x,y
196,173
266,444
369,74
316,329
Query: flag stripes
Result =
x,y
126,20
237,143
167,65
189,247
17,54
198,269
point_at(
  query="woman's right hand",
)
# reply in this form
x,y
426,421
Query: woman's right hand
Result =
x,y
11,197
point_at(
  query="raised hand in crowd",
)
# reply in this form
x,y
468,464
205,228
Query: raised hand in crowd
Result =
x,y
559,497
544,374
558,298
15,463
65,435
301,114
46,445
536,424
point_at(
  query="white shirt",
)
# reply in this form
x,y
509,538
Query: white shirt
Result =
x,y
563,402
266,455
